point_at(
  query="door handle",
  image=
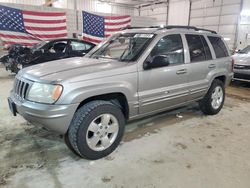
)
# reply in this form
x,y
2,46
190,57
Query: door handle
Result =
x,y
211,66
181,71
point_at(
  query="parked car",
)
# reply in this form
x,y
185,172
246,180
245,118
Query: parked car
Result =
x,y
17,56
20,56
242,65
135,73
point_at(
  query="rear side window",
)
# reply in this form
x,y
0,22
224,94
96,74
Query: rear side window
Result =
x,y
198,48
219,47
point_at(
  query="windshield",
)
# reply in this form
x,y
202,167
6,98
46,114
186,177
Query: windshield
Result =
x,y
245,50
123,47
39,45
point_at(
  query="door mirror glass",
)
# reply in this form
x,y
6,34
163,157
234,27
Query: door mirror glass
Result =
x,y
157,61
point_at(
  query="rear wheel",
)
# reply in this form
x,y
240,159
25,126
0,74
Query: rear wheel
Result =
x,y
96,129
213,101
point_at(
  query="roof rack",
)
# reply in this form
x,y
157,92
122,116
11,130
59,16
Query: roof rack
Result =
x,y
175,27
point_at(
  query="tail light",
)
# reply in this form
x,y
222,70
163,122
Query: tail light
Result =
x,y
232,65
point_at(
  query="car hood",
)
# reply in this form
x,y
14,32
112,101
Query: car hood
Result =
x,y
73,68
241,59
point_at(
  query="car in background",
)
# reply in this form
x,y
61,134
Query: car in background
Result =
x,y
20,56
242,65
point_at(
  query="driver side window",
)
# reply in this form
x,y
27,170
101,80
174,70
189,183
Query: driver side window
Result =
x,y
171,47
58,47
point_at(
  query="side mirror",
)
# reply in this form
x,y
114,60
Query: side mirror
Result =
x,y
156,62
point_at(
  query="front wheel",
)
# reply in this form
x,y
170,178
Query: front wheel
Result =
x,y
96,129
213,101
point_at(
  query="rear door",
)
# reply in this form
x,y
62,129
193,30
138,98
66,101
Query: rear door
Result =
x,y
199,65
164,87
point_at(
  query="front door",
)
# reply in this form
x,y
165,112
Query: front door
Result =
x,y
57,50
164,87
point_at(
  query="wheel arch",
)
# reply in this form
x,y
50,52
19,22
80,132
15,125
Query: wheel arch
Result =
x,y
116,98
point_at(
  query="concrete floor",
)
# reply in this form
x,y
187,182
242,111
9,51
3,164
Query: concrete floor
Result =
x,y
179,149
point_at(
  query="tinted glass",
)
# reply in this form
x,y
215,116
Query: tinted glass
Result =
x,y
79,46
206,47
197,50
171,47
58,47
245,50
219,47
123,47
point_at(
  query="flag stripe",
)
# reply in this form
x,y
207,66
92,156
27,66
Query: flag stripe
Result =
x,y
23,43
27,24
19,41
44,21
46,29
117,23
17,36
90,39
26,16
45,14
34,33
113,29
116,27
62,35
116,17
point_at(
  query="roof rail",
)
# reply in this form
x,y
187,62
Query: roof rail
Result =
x,y
174,27
186,27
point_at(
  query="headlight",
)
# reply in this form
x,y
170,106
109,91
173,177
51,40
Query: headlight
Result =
x,y
44,93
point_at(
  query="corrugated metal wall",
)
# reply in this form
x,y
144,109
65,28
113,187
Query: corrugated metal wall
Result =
x,y
244,26
178,12
219,15
156,11
27,2
88,5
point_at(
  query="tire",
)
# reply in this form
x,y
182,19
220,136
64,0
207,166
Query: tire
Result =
x,y
67,142
91,123
206,104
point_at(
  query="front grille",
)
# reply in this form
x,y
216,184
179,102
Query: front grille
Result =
x,y
21,87
242,76
242,66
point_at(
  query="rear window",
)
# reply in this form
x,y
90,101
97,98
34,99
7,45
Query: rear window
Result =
x,y
219,47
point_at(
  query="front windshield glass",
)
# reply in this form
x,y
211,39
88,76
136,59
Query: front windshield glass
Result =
x,y
245,50
38,45
123,47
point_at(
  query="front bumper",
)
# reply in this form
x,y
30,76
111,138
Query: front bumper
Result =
x,y
52,117
242,75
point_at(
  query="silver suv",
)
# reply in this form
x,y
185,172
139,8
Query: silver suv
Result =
x,y
133,74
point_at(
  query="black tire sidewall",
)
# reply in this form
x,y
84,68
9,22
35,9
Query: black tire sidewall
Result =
x,y
82,131
208,101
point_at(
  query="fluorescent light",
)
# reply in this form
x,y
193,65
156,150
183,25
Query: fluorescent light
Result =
x,y
245,13
103,7
227,39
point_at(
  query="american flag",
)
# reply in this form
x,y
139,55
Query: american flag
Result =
x,y
96,28
30,27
